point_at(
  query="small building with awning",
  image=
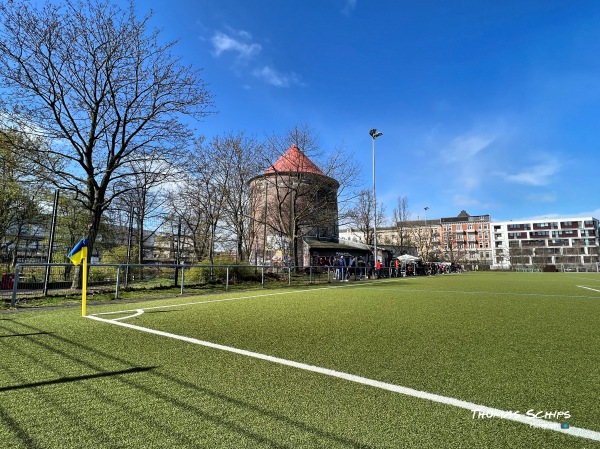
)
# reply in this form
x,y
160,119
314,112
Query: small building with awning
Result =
x,y
319,252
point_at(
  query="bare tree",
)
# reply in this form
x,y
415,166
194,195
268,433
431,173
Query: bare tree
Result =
x,y
305,195
187,204
401,219
144,198
237,158
20,194
89,77
361,215
199,200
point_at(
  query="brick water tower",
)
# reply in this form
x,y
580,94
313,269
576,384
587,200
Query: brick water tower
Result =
x,y
293,199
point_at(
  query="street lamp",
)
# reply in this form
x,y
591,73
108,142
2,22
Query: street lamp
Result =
x,y
375,134
426,236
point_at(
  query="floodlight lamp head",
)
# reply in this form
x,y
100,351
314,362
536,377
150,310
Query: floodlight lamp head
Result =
x,y
374,134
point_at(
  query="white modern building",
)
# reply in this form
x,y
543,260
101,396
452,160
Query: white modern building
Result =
x,y
567,243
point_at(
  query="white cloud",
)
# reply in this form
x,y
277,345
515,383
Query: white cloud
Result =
x,y
464,201
226,43
271,76
467,146
537,175
464,159
547,198
349,6
240,43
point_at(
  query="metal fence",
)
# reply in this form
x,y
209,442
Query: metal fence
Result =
x,y
563,267
586,268
32,281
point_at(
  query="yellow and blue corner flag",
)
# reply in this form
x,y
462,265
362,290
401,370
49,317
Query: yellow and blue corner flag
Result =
x,y
78,255
79,252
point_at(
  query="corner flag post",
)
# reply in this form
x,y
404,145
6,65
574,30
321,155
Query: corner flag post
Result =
x,y
77,255
84,286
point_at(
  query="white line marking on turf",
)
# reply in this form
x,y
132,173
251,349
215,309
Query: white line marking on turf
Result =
x,y
228,299
589,288
582,278
534,422
406,290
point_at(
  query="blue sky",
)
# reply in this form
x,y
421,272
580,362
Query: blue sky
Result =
x,y
488,106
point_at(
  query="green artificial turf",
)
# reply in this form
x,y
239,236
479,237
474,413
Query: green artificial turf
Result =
x,y
513,341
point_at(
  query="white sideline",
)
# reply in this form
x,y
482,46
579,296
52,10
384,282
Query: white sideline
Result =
x,y
534,422
589,288
235,298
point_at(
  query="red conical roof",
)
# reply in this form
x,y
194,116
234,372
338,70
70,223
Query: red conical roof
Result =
x,y
294,160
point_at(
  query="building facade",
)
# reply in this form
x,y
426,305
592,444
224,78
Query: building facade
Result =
x,y
466,239
291,201
567,243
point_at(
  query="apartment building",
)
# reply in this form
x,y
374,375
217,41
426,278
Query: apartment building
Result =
x,y
466,239
566,243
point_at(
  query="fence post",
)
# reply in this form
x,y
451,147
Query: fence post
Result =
x,y
118,281
227,279
289,275
13,301
262,282
51,243
182,276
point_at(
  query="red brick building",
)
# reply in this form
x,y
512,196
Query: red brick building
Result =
x,y
291,201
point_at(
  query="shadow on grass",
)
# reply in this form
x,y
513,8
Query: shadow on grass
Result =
x,y
63,380
26,335
176,400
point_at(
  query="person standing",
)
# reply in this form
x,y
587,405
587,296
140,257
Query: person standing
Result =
x,y
378,268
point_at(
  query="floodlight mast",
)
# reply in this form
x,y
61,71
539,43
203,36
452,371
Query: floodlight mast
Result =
x,y
427,236
374,135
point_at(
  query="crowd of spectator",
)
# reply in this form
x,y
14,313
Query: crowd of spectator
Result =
x,y
345,268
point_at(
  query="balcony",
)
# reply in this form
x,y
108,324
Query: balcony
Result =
x,y
570,224
545,226
519,227
534,243
565,234
558,242
583,242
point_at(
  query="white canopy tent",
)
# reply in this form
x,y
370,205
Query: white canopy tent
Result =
x,y
407,258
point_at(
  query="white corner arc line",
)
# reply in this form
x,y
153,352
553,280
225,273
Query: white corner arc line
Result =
x,y
534,422
589,288
235,298
137,313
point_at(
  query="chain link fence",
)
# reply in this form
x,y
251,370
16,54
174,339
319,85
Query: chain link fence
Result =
x,y
32,282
